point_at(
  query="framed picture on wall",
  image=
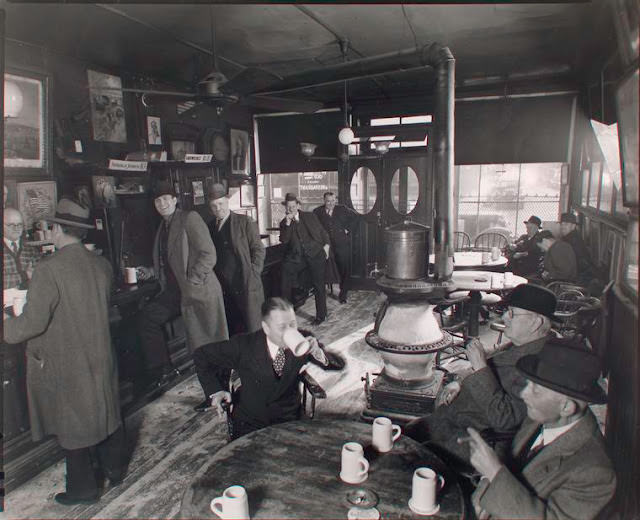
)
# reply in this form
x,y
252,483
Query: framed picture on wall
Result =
x,y
627,106
25,123
154,135
107,107
180,148
36,200
247,196
239,152
104,191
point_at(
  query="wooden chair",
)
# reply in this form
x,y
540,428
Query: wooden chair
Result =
x,y
486,241
461,241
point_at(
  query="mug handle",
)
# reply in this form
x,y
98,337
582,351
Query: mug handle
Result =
x,y
441,479
216,506
365,467
396,432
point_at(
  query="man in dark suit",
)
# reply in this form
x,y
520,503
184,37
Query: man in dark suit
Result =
x,y
560,467
337,220
267,367
525,255
570,234
559,262
19,259
307,247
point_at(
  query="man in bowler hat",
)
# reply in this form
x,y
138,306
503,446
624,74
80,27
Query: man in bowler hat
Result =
x,y
559,467
307,247
489,396
525,256
72,371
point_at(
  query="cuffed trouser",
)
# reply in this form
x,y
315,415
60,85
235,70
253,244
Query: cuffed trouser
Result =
x,y
110,454
342,256
316,266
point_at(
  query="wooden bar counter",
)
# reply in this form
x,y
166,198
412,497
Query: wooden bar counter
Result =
x,y
291,470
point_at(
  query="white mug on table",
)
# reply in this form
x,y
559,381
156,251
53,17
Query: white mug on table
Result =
x,y
384,434
355,467
233,504
296,342
424,491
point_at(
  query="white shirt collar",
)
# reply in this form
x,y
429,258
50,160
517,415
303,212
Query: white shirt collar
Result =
x,y
273,348
221,222
10,242
551,434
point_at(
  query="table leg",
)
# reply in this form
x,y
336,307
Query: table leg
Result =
x,y
474,310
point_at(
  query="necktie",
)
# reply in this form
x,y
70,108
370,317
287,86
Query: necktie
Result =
x,y
528,453
219,223
14,247
278,362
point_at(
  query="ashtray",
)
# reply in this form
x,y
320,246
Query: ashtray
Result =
x,y
362,497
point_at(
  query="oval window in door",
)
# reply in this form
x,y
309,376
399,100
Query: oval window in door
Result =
x,y
364,190
405,190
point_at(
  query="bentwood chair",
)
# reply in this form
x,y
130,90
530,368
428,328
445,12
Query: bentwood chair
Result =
x,y
461,241
486,241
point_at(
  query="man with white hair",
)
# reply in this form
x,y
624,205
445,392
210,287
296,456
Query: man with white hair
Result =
x,y
18,259
559,464
489,396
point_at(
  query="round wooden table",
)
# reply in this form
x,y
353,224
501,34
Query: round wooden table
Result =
x,y
290,470
463,260
476,281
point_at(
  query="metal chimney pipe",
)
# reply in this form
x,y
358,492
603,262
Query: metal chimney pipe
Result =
x,y
443,62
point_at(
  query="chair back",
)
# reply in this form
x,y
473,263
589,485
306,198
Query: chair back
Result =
x,y
487,241
461,241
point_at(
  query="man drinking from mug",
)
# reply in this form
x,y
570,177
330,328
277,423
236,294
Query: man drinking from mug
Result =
x,y
268,364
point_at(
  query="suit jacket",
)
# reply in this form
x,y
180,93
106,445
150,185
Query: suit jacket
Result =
x,y
571,478
319,236
250,253
586,268
72,373
527,264
338,225
263,399
192,256
560,262
14,276
488,398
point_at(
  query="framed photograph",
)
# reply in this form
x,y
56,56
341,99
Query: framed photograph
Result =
x,y
154,135
247,196
627,106
25,123
107,107
36,200
239,152
198,192
180,148
104,191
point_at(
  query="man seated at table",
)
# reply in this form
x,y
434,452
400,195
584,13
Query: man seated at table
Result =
x,y
587,271
489,396
559,261
19,259
268,370
524,253
559,466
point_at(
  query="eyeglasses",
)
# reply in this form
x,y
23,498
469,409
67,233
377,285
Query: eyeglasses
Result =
x,y
511,314
14,226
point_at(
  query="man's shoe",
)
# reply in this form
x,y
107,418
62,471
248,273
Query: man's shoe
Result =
x,y
342,298
204,405
318,321
67,500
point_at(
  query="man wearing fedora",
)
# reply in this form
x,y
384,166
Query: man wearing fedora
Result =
x,y
525,255
489,396
307,247
183,261
559,465
570,234
559,261
72,372
240,261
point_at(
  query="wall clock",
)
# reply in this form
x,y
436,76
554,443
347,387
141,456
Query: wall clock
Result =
x,y
220,147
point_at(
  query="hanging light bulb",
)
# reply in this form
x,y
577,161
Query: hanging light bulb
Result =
x,y
346,136
13,99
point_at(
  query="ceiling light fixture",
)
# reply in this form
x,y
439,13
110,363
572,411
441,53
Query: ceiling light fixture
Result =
x,y
308,149
381,147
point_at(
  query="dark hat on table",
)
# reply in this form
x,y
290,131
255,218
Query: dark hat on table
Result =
x,y
70,213
566,368
289,197
534,220
217,191
163,188
534,298
545,233
568,217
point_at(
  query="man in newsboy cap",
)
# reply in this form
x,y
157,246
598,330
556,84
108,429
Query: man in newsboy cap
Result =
x,y
72,373
560,466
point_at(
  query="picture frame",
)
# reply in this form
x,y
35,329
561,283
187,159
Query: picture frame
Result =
x,y
36,200
627,106
240,151
154,131
247,196
179,148
107,107
27,131
104,191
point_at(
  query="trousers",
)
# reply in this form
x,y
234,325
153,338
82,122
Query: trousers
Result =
x,y
316,266
150,327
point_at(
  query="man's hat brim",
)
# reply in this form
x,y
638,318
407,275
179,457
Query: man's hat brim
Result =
x,y
528,366
67,222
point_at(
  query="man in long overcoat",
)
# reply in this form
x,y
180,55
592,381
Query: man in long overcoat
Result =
x,y
183,260
72,376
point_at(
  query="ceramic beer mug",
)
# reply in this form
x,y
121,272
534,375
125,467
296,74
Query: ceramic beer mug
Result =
x,y
425,486
232,505
355,467
495,253
384,434
296,342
